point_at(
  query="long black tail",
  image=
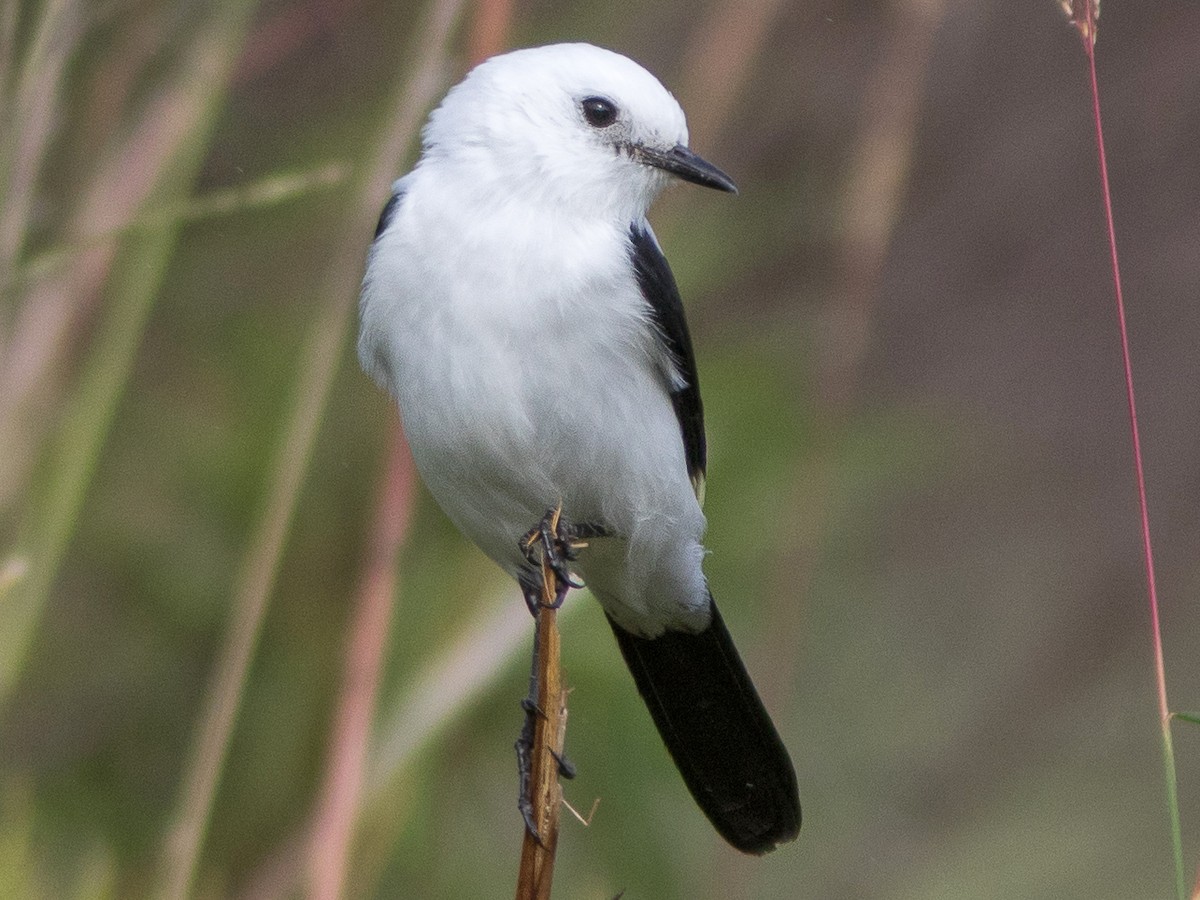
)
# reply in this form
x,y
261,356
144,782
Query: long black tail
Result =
x,y
717,731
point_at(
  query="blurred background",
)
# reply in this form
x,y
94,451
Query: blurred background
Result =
x,y
243,655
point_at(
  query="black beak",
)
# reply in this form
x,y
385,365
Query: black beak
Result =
x,y
682,162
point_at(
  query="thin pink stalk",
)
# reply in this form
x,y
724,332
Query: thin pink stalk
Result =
x,y
337,809
1085,20
489,29
55,308
1139,469
339,805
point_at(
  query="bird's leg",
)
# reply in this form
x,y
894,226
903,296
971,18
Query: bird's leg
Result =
x,y
524,746
531,590
551,539
548,547
559,543
582,532
566,768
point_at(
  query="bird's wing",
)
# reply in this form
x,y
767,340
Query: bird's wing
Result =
x,y
389,209
666,308
372,354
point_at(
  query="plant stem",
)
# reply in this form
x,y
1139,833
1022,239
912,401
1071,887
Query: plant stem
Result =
x,y
1160,675
536,874
177,129
341,793
316,372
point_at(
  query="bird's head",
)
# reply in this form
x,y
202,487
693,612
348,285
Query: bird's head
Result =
x,y
572,124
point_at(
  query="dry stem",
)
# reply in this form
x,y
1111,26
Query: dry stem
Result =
x,y
550,728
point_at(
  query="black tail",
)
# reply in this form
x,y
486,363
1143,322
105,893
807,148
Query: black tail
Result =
x,y
718,733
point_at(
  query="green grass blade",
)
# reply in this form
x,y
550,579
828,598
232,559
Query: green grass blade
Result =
x,y
261,194
317,369
189,103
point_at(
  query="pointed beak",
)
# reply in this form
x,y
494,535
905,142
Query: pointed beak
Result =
x,y
683,163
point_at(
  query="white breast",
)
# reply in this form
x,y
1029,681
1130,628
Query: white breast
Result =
x,y
525,377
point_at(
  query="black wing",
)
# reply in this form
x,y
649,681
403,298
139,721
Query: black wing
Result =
x,y
389,210
370,353
662,294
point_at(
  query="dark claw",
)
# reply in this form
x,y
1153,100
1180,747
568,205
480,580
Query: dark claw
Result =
x,y
531,710
557,547
527,814
524,748
555,540
532,594
560,595
566,768
525,807
560,543
585,531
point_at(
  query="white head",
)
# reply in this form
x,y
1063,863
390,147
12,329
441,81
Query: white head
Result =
x,y
569,124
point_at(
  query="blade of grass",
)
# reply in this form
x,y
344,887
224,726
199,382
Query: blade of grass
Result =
x,y
183,115
30,101
875,189
260,194
454,678
29,118
317,368
489,29
61,283
871,204
50,316
1083,14
17,853
870,208
8,44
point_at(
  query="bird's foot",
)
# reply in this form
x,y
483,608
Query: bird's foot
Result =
x,y
524,748
566,768
558,543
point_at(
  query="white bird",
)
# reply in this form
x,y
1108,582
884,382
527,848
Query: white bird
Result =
x,y
517,305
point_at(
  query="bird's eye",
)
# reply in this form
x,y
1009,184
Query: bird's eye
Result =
x,y
599,111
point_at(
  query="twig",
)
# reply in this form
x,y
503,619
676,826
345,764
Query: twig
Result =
x,y
550,728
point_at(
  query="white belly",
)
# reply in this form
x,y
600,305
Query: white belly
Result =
x,y
515,398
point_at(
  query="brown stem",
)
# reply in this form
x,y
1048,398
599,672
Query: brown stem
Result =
x,y
550,728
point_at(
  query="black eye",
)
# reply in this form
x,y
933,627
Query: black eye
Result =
x,y
599,111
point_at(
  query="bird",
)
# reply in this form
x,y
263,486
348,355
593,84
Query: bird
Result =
x,y
517,305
